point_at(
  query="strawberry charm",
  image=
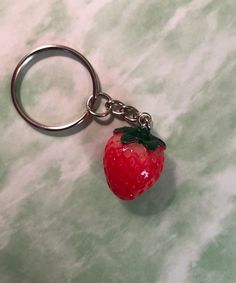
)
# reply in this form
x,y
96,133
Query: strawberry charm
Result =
x,y
133,161
133,158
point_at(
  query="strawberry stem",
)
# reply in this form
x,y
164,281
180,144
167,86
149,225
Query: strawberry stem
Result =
x,y
142,136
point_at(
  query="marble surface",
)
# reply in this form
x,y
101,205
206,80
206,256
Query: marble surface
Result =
x,y
58,220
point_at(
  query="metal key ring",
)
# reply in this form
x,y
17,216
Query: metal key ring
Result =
x,y
25,61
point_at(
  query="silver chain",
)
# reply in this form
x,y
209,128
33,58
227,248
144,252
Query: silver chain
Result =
x,y
121,110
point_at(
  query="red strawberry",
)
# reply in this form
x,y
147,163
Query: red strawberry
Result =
x,y
133,161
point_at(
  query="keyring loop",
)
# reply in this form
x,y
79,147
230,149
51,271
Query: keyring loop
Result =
x,y
24,62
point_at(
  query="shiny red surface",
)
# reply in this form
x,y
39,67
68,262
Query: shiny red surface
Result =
x,y
131,169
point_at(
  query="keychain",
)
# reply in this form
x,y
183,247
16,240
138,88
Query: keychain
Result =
x,y
133,158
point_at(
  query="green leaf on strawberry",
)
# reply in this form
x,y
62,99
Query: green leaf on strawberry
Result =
x,y
142,136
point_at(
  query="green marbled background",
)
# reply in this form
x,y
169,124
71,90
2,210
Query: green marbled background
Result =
x,y
58,221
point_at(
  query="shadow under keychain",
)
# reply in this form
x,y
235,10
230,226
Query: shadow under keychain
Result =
x,y
133,158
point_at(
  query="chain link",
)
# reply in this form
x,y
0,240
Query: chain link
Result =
x,y
116,106
130,113
121,110
91,107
